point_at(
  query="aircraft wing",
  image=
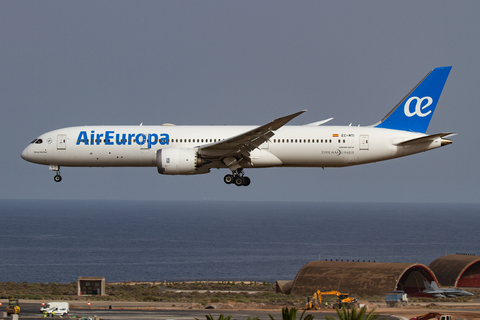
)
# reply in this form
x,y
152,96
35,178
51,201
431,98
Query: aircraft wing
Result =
x,y
240,146
435,293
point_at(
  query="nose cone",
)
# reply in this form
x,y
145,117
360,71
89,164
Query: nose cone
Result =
x,y
24,154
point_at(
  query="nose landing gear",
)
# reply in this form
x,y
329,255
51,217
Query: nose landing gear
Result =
x,y
238,178
57,177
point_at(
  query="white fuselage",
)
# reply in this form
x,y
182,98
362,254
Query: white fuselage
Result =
x,y
290,146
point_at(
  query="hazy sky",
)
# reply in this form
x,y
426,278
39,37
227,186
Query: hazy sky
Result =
x,y
67,63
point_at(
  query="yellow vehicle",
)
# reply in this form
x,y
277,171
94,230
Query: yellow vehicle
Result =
x,y
13,307
344,299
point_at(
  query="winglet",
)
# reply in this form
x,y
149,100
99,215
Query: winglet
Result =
x,y
415,110
280,122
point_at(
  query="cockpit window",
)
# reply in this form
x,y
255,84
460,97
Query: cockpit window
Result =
x,y
33,141
39,141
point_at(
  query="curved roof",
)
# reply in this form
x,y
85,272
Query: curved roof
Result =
x,y
457,270
362,278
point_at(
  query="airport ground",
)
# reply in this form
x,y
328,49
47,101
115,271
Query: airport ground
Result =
x,y
189,301
113,310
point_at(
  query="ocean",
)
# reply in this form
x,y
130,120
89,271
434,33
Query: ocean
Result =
x,y
61,240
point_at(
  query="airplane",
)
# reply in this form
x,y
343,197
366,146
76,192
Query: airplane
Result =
x,y
188,150
433,290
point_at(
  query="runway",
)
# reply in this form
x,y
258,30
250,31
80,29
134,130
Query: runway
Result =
x,y
30,310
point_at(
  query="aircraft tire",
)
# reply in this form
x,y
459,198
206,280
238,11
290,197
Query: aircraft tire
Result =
x,y
246,181
57,178
238,181
228,179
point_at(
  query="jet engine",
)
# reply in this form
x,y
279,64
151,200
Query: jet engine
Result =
x,y
179,161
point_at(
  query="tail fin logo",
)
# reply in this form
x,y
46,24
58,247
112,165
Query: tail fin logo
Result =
x,y
418,107
414,112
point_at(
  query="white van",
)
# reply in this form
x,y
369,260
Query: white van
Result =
x,y
60,308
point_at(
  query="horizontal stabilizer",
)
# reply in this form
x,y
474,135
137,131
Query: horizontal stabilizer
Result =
x,y
426,139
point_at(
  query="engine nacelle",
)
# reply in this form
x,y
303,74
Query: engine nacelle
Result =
x,y
179,161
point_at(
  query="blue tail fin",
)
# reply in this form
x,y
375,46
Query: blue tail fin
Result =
x,y
414,112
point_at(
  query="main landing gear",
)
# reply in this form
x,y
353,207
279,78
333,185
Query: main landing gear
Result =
x,y
238,178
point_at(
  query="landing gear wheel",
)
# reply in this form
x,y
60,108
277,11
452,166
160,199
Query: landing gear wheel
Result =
x,y
246,181
228,179
57,178
238,181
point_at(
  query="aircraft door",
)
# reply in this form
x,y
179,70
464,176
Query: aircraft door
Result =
x,y
61,142
142,141
363,142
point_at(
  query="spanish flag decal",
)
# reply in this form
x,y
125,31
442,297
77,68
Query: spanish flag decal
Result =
x,y
335,135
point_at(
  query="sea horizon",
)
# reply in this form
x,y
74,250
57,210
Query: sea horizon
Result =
x,y
171,240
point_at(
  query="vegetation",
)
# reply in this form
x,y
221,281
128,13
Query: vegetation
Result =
x,y
216,292
25,290
222,285
353,314
292,314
